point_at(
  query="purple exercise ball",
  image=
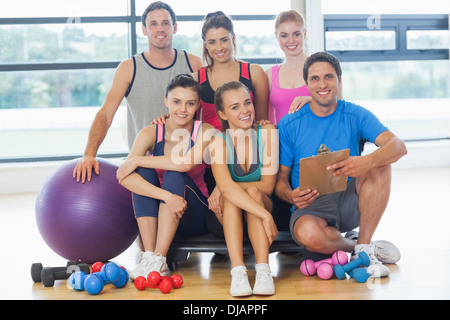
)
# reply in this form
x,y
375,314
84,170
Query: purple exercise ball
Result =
x,y
87,222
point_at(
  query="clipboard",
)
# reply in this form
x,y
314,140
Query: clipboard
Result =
x,y
314,173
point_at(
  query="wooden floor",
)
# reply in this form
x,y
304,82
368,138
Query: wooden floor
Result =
x,y
417,220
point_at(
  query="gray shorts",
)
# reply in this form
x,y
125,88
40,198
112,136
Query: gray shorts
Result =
x,y
339,209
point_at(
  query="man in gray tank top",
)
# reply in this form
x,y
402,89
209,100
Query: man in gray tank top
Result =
x,y
140,112
142,80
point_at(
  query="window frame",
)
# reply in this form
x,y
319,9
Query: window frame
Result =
x,y
131,19
400,23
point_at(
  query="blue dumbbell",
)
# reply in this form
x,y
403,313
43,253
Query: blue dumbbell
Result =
x,y
76,280
109,274
94,282
359,274
363,259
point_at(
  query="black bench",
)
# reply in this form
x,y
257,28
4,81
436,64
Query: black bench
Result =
x,y
181,247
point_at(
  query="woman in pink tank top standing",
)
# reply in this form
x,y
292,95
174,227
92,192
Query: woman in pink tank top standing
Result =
x,y
288,91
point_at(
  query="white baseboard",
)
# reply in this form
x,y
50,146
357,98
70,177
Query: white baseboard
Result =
x,y
27,177
421,155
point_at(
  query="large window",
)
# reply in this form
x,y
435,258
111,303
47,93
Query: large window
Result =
x,y
395,60
58,58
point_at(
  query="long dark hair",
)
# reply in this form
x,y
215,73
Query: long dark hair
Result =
x,y
215,20
183,81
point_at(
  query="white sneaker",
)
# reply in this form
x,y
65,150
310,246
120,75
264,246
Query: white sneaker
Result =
x,y
145,258
352,235
386,251
376,269
240,286
264,283
158,263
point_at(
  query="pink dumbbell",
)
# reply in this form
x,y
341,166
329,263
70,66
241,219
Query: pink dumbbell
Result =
x,y
325,271
309,267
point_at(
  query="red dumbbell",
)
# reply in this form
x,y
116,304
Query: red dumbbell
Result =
x,y
97,266
165,286
177,281
155,280
141,283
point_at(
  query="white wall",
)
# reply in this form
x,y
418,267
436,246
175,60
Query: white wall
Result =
x,y
29,177
312,12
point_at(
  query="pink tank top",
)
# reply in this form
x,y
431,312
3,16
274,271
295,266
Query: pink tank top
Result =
x,y
280,98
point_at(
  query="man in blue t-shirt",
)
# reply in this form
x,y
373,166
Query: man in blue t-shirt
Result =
x,y
317,221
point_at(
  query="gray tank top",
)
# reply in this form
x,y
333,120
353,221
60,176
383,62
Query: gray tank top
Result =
x,y
145,96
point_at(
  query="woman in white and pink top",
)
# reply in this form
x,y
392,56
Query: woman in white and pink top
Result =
x,y
288,91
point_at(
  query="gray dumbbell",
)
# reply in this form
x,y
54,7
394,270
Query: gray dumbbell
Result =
x,y
48,275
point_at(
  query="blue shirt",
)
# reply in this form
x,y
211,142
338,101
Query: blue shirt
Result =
x,y
302,133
